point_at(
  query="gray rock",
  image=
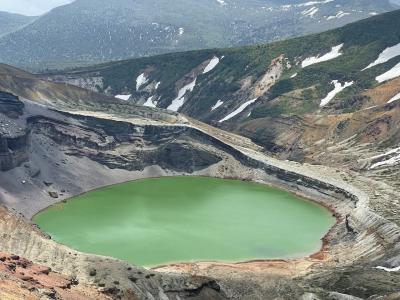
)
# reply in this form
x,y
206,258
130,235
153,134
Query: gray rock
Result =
x,y
53,194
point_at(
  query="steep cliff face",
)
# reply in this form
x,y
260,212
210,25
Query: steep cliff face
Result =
x,y
13,151
121,145
10,105
14,139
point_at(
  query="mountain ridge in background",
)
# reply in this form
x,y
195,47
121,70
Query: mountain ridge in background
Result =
x,y
10,22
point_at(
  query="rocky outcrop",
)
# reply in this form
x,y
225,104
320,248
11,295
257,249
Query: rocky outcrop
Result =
x,y
13,151
93,82
144,145
270,77
10,105
14,139
22,279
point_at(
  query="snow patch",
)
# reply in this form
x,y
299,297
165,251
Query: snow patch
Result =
x,y
294,75
310,12
221,2
181,31
305,4
334,53
368,108
392,158
386,154
310,3
385,56
339,14
239,110
396,269
123,97
140,81
397,97
216,105
150,103
157,85
178,101
332,94
392,73
211,65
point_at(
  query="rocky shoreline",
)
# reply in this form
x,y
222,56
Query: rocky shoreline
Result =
x,y
90,146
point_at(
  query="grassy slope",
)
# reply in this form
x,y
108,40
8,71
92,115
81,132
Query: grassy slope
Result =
x,y
363,41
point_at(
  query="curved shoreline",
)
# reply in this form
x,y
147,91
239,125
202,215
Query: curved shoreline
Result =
x,y
324,240
269,185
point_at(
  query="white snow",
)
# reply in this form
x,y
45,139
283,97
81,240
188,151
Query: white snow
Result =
x,y
339,14
394,159
141,80
397,97
216,105
396,269
310,3
385,56
294,75
178,101
392,73
393,151
305,4
211,65
332,94
368,108
123,97
150,103
157,85
239,110
286,7
221,2
181,31
310,12
334,53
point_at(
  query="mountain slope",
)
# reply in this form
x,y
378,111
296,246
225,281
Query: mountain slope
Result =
x,y
66,140
13,22
92,31
276,93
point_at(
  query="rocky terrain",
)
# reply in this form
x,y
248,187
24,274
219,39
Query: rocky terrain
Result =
x,y
22,279
284,123
82,140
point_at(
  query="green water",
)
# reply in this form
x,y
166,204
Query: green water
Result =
x,y
182,219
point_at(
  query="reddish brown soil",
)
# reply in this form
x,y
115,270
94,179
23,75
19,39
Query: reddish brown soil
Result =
x,y
22,279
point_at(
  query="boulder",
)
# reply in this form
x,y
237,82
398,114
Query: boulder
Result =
x,y
53,195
